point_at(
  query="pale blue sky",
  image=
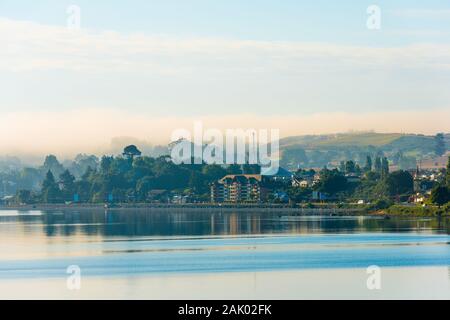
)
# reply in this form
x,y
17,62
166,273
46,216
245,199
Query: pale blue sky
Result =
x,y
199,58
294,20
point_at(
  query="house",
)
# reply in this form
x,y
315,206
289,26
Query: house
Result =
x,y
303,178
6,200
417,198
316,178
181,199
238,188
352,178
298,183
425,180
277,174
158,196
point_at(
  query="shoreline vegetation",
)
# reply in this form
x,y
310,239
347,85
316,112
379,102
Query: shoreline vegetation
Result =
x,y
416,211
133,181
302,209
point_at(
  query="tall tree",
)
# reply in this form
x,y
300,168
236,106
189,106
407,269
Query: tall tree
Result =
x,y
23,196
49,180
440,195
331,181
384,167
50,189
143,186
342,166
448,173
350,166
105,164
131,151
397,183
67,181
196,182
378,165
51,163
439,140
368,166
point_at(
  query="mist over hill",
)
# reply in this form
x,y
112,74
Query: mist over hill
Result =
x,y
306,151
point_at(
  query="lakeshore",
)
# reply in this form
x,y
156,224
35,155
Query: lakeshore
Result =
x,y
306,209
187,207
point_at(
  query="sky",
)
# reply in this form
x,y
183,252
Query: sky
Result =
x,y
145,68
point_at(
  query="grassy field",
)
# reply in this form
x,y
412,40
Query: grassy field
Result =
x,y
361,139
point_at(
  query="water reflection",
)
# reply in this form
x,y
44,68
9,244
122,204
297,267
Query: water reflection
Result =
x,y
175,254
164,223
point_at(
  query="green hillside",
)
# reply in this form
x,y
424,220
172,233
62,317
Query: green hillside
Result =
x,y
362,139
320,150
345,139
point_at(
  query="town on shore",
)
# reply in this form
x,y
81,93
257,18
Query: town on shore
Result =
x,y
131,179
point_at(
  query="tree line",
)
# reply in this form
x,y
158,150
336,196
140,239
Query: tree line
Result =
x,y
132,177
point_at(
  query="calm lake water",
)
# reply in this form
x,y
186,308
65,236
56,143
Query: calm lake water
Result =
x,y
206,255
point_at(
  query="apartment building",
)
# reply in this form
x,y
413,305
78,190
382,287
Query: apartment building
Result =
x,y
238,188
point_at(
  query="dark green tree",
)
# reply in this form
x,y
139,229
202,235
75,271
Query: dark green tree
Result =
x,y
297,195
131,151
143,187
439,141
234,169
105,164
251,169
350,166
384,167
50,189
196,182
67,182
448,173
378,165
397,183
331,182
83,187
368,166
342,166
440,195
23,197
213,172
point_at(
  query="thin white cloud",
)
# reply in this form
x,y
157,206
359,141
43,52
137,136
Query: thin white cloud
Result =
x,y
28,46
324,77
423,13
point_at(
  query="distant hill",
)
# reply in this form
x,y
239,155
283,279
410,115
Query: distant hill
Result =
x,y
403,150
342,139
